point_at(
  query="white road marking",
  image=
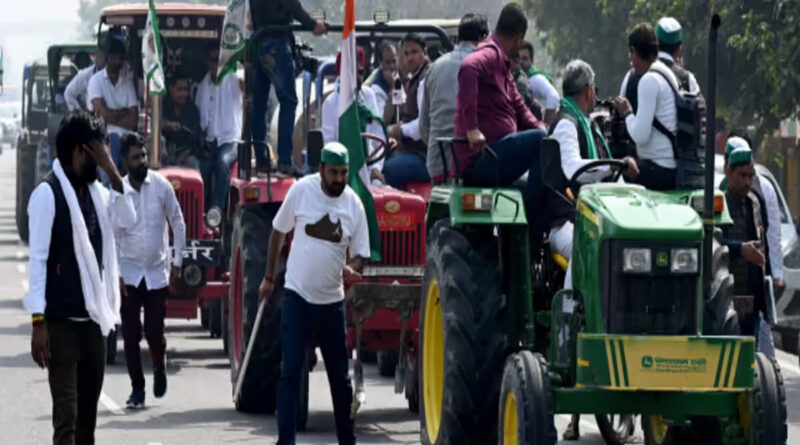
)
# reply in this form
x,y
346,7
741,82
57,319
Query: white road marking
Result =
x,y
20,254
788,365
25,285
21,268
110,404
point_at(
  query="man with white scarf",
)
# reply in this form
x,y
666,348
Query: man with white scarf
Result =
x,y
74,295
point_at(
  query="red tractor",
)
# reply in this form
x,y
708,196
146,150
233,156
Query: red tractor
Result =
x,y
382,309
185,31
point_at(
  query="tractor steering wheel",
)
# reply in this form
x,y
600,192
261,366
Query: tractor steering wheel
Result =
x,y
613,177
376,154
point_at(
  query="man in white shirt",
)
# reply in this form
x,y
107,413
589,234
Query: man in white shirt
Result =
x,y
74,286
75,94
221,121
407,163
144,259
113,96
329,222
540,82
382,79
656,107
330,115
580,142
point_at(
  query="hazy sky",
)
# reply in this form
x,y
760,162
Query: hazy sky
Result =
x,y
27,28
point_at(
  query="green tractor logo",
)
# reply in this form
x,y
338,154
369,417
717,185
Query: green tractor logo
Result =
x,y
647,362
662,259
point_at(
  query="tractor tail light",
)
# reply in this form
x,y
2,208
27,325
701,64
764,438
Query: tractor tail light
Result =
x,y
719,203
251,193
476,202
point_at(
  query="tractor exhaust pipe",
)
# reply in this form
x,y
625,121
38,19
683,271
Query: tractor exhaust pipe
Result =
x,y
711,115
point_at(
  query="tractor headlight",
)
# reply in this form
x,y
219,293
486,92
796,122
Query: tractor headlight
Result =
x,y
636,260
684,260
214,217
192,275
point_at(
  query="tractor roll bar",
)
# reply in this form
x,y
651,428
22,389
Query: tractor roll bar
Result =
x,y
708,194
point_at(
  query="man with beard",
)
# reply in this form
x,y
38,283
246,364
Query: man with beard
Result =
x,y
144,258
113,97
181,124
74,281
329,221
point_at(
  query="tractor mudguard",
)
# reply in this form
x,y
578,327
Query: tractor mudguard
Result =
x,y
493,206
567,322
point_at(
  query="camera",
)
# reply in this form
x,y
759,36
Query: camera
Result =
x,y
612,125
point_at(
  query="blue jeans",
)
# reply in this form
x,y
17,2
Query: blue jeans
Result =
x,y
517,153
116,154
404,167
216,173
274,66
300,321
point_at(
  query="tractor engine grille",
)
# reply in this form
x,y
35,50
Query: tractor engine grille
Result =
x,y
659,303
403,247
192,209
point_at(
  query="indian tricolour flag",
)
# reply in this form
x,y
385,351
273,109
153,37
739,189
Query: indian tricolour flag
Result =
x,y
350,125
151,53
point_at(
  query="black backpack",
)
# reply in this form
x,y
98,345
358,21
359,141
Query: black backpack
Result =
x,y
688,142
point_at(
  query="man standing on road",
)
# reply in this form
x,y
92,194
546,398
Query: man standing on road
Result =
x,y
73,274
144,258
113,96
329,222
438,114
221,120
274,66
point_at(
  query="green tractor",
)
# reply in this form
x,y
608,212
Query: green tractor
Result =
x,y
649,328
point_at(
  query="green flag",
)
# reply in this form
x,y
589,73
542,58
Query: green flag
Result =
x,y
151,53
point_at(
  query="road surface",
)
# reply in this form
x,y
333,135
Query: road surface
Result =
x,y
197,409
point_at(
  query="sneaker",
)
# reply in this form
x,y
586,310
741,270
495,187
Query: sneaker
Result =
x,y
159,383
136,400
289,170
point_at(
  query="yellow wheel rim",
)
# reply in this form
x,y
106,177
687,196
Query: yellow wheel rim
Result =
x,y
510,421
433,361
659,428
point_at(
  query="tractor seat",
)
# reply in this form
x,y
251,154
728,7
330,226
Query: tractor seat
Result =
x,y
560,260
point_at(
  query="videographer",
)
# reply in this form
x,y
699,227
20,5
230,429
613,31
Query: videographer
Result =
x,y
656,115
274,62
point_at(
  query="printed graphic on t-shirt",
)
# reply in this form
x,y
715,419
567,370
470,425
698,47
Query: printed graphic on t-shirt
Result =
x,y
325,230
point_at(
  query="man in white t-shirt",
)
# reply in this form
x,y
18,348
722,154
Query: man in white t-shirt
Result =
x,y
656,107
541,84
113,97
221,120
329,222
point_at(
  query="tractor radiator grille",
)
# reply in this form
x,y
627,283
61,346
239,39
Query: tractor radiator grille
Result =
x,y
659,303
403,247
192,212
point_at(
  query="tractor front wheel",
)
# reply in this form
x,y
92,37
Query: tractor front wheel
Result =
x,y
463,313
768,404
526,402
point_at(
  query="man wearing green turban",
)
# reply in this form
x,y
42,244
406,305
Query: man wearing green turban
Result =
x,y
670,46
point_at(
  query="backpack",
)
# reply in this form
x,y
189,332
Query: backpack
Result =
x,y
688,141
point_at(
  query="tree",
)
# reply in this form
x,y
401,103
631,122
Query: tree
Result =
x,y
759,48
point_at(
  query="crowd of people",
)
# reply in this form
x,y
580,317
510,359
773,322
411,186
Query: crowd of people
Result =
x,y
88,239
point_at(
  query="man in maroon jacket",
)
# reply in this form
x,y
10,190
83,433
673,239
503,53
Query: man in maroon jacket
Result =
x,y
491,113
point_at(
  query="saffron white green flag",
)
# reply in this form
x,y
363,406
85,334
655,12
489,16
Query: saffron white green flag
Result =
x,y
351,125
151,53
235,36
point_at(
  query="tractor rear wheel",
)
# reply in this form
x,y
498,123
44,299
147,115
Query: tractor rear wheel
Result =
x,y
720,316
26,177
463,313
616,429
526,402
768,404
251,232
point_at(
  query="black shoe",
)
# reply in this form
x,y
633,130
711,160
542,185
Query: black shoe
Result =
x,y
572,432
159,383
289,170
136,400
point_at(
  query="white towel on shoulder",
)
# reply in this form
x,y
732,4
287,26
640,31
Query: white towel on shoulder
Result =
x,y
100,293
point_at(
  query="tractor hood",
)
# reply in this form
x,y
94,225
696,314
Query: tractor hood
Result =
x,y
632,212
